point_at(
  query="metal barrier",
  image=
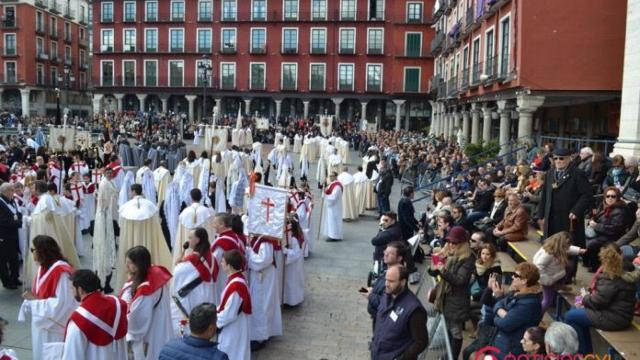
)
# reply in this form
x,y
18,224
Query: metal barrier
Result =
x,y
439,343
579,143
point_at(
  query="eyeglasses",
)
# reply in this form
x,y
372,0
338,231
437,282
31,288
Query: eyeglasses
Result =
x,y
558,158
612,196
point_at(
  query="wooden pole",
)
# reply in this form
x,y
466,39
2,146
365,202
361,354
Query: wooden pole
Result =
x,y
321,212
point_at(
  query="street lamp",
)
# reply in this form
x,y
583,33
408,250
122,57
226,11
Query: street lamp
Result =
x,y
205,71
65,80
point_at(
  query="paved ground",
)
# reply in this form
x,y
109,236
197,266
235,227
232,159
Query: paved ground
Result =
x,y
331,324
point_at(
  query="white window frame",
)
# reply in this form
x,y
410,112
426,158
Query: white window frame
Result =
x,y
375,28
144,80
235,73
484,48
406,10
311,38
15,65
324,81
40,69
146,11
198,30
113,11
169,38
135,71
479,38
235,31
235,17
353,75
282,75
266,11
366,75
82,55
197,71
145,38
251,73
51,52
198,14
297,11
466,61
500,60
251,36
184,6
406,37
135,36
42,48
169,71
384,9
113,72
135,11
326,9
297,38
355,11
102,31
404,77
355,38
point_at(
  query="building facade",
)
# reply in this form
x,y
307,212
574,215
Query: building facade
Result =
x,y
511,69
363,59
44,57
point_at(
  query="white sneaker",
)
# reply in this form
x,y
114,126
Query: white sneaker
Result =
x,y
414,278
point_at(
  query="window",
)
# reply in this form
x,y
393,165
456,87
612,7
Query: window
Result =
x,y
39,47
228,75
257,76
83,17
81,34
318,41
67,32
176,73
229,10
106,73
107,40
347,41
411,79
375,42
151,40
374,77
347,9
67,55
376,10
290,10
176,40
205,10
202,72
106,13
39,22
318,9
475,58
465,67
345,77
129,73
289,76
414,12
204,40
413,45
258,41
229,45
504,47
10,75
40,74
259,10
82,58
53,27
488,53
53,47
177,11
151,10
53,75
129,43
317,77
129,9
151,73
9,44
289,41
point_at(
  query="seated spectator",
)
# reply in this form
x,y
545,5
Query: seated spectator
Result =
x,y
552,260
487,264
542,162
606,226
585,162
523,173
617,174
202,324
609,303
533,341
459,215
444,223
531,194
476,241
481,200
560,339
629,252
496,214
389,231
514,226
599,169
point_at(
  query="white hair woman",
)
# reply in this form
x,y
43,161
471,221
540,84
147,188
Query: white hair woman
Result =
x,y
561,339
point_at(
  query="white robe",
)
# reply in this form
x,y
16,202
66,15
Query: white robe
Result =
x,y
349,205
104,239
183,274
148,186
88,207
161,178
125,189
360,181
294,273
234,338
172,210
266,317
78,347
297,143
193,216
332,217
149,324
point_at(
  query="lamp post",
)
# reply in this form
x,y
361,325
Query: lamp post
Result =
x,y
66,79
205,71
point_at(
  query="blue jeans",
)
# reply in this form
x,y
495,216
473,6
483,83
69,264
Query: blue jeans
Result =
x,y
577,318
476,215
629,252
383,204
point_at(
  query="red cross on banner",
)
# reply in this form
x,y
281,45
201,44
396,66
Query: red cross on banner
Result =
x,y
269,204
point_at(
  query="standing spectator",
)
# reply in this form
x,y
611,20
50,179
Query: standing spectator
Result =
x,y
560,339
598,170
389,231
406,213
383,188
543,161
393,255
399,334
566,197
10,223
585,164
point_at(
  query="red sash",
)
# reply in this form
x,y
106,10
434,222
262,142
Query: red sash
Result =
x,y
202,263
227,241
46,280
115,166
236,284
89,188
332,186
101,318
157,277
258,241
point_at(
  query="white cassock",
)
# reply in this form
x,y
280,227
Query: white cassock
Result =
x,y
186,185
149,186
92,325
70,216
140,225
8,354
125,188
89,204
104,239
139,174
193,168
218,169
233,170
203,182
371,200
256,155
335,160
294,273
297,143
321,170
332,217
193,267
161,178
266,318
149,316
52,308
193,216
304,160
309,230
233,318
349,205
360,181
171,208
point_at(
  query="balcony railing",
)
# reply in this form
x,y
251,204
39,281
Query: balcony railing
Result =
x,y
306,16
55,8
205,18
10,51
464,81
434,82
374,51
69,13
289,51
176,49
347,51
476,71
8,23
436,43
228,84
345,86
10,80
41,3
68,62
129,48
84,66
204,50
318,50
490,69
42,56
68,39
53,34
316,85
288,86
40,29
452,86
374,88
228,49
469,19
259,49
442,89
257,86
54,59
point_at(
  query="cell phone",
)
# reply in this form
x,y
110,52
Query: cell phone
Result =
x,y
363,290
436,260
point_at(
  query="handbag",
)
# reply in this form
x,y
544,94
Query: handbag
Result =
x,y
589,232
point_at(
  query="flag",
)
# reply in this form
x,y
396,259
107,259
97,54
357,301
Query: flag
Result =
x,y
326,125
239,119
268,211
262,123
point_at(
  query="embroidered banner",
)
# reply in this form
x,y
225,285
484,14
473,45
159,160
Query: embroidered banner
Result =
x,y
268,211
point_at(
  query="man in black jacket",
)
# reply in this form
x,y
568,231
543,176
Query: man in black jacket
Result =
x,y
482,200
383,188
389,231
10,222
393,255
406,213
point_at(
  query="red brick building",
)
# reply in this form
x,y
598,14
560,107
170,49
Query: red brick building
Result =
x,y
278,57
543,66
42,40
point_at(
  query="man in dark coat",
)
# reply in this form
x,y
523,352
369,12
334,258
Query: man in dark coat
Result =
x,y
10,222
383,188
565,198
389,231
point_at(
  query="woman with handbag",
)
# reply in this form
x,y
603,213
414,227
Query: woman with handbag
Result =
x,y
607,226
453,297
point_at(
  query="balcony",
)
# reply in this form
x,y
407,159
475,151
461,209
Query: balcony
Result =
x,y
42,56
347,51
489,70
129,19
464,81
69,13
55,8
106,48
83,43
42,4
106,19
452,87
469,19
40,29
53,34
205,18
374,88
316,85
228,49
204,50
258,50
375,51
345,86
177,17
54,59
176,49
82,20
228,84
434,82
68,62
68,39
151,49
84,66
436,43
9,23
318,50
129,48
151,17
476,71
441,89
257,86
289,51
10,80
288,86
10,51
